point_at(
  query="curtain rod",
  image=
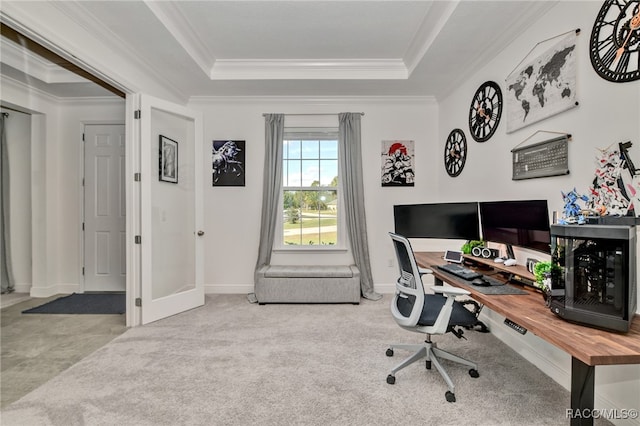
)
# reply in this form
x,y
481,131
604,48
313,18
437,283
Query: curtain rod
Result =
x,y
328,113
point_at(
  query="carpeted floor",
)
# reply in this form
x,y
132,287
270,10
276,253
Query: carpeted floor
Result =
x,y
236,363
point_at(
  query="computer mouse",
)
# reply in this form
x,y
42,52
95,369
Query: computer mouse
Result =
x,y
498,260
510,262
480,282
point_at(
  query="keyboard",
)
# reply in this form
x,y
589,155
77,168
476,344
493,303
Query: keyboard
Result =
x,y
459,271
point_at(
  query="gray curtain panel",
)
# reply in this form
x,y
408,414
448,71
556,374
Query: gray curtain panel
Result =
x,y
350,158
274,134
6,275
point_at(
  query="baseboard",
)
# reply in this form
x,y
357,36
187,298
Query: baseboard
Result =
x,y
53,290
22,288
385,288
228,289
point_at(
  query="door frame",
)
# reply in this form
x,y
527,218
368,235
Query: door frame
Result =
x,y
133,209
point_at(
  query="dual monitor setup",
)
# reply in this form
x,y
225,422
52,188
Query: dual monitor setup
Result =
x,y
523,224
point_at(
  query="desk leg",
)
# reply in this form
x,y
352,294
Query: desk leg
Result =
x,y
582,392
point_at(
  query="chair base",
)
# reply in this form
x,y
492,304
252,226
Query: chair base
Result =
x,y
432,354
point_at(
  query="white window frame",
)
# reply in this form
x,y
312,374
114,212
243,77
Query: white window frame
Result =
x,y
309,133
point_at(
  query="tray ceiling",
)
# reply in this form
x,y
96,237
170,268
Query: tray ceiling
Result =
x,y
296,48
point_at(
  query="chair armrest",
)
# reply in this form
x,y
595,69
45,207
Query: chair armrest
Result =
x,y
424,271
448,290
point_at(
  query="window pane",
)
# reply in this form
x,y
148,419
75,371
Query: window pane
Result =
x,y
329,150
291,149
310,149
293,168
329,218
314,222
328,171
310,173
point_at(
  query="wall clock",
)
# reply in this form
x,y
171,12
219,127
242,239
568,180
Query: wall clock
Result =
x,y
614,47
485,111
455,152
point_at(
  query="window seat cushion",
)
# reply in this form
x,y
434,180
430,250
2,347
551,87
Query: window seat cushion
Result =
x,y
308,284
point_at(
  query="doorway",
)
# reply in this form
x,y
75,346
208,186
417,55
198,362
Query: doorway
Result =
x,y
104,226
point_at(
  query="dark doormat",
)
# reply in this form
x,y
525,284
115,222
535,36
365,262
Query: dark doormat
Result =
x,y
85,303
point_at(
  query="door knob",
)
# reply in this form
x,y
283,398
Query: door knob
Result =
x,y
200,233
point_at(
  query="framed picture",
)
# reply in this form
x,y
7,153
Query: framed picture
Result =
x,y
397,163
168,166
228,163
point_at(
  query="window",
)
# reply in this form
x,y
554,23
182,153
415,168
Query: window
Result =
x,y
310,188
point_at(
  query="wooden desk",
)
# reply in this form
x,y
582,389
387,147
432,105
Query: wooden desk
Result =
x,y
587,346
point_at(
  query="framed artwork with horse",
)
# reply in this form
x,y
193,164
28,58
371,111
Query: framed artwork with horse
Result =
x,y
228,163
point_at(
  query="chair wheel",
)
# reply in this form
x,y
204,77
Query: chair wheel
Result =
x,y
451,397
474,373
389,352
391,379
427,365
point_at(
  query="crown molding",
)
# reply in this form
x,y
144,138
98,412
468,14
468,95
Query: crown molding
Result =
x,y
434,20
313,69
314,101
34,66
174,21
33,92
9,83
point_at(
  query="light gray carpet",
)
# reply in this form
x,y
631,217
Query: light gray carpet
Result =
x,y
236,363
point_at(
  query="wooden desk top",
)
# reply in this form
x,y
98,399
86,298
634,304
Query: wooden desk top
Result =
x,y
590,345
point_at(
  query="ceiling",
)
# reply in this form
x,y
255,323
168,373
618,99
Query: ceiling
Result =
x,y
288,48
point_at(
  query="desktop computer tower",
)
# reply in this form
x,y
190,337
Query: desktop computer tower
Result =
x,y
594,282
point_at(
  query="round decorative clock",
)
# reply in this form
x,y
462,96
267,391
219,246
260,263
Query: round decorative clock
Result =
x,y
485,111
455,152
614,47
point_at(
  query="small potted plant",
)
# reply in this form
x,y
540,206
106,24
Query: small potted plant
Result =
x,y
542,272
469,245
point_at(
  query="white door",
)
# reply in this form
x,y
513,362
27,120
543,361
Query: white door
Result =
x,y
104,208
171,238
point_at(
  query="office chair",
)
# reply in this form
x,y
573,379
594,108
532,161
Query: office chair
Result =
x,y
431,314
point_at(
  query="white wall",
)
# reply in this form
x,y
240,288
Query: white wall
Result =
x,y
232,214
608,113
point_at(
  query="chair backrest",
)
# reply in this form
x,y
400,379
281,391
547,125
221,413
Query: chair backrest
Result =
x,y
409,283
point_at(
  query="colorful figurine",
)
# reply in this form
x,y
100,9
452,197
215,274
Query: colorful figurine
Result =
x,y
608,193
572,212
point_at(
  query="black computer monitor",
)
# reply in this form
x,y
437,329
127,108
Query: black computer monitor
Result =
x,y
517,223
439,220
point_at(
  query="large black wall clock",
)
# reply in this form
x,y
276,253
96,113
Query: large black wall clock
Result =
x,y
615,41
485,111
455,152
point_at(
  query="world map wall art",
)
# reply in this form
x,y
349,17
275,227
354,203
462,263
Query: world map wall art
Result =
x,y
542,87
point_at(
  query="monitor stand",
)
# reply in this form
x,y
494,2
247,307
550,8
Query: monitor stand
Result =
x,y
510,253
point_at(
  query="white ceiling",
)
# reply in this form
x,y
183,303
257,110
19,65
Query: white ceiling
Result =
x,y
291,48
